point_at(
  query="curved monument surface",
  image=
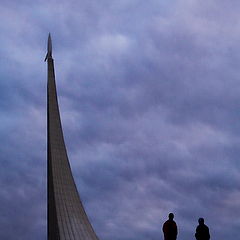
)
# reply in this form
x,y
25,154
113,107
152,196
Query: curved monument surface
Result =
x,y
66,216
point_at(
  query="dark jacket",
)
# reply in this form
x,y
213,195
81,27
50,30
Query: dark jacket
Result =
x,y
170,230
202,232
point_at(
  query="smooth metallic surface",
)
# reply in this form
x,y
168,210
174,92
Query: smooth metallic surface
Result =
x,y
49,48
49,44
67,219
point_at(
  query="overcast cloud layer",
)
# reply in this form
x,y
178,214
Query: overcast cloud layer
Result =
x,y
149,95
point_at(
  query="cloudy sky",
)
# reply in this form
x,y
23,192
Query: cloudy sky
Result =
x,y
149,94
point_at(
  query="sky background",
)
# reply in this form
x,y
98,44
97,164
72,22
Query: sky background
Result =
x,y
149,95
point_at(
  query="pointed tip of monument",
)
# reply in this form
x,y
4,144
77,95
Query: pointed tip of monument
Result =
x,y
49,47
49,36
49,43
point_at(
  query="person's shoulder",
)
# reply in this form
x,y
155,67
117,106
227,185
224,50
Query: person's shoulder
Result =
x,y
206,226
198,227
165,223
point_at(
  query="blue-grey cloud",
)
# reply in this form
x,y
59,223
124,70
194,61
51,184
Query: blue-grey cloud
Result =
x,y
148,94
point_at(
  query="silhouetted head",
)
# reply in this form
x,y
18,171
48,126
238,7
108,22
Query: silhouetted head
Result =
x,y
171,216
201,220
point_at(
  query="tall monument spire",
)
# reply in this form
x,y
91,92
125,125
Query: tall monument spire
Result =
x,y
49,48
66,216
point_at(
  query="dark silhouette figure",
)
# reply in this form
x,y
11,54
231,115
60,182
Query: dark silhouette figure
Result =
x,y
202,231
170,228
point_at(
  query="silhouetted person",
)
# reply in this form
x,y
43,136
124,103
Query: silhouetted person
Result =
x,y
202,231
170,228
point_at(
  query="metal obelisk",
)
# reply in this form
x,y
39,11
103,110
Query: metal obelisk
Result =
x,y
66,216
